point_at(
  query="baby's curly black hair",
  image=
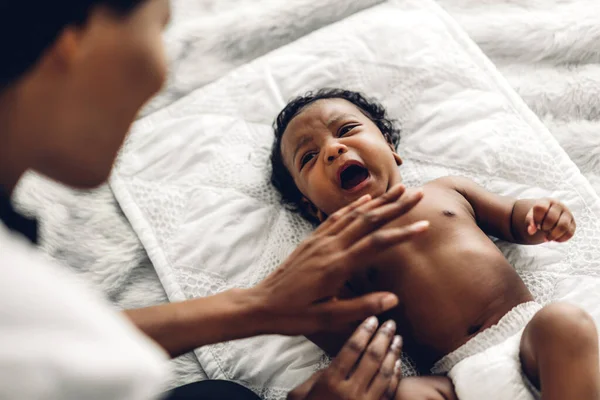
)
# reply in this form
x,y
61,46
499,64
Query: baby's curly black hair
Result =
x,y
280,176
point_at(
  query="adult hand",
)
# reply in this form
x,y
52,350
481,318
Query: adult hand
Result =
x,y
299,297
364,369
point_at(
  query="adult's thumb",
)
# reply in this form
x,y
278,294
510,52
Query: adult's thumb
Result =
x,y
334,314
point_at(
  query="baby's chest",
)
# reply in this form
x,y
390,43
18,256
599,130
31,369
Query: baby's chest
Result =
x,y
450,218
445,210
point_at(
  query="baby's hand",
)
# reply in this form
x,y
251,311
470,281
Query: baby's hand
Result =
x,y
552,218
426,387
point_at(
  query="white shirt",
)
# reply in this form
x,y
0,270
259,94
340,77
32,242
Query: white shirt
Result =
x,y
60,341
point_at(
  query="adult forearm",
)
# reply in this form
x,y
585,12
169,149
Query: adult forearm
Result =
x,y
298,297
185,326
519,223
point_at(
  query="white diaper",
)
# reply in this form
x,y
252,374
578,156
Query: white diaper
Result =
x,y
488,366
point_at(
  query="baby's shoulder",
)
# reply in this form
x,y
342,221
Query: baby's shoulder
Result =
x,y
450,188
449,183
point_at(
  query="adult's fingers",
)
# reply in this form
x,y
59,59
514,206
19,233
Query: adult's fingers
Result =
x,y
333,219
374,219
342,220
374,356
383,382
390,393
552,217
334,314
359,254
349,355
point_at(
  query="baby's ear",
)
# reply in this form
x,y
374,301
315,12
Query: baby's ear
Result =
x,y
396,155
312,210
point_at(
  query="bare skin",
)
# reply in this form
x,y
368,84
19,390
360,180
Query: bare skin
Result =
x,y
452,281
367,368
347,383
66,118
560,345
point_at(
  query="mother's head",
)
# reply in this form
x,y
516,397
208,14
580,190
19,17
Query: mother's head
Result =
x,y
73,76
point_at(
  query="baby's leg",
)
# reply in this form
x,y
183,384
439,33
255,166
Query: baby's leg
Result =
x,y
559,353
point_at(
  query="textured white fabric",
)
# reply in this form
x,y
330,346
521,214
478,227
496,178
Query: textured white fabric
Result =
x,y
193,178
547,49
513,322
494,374
489,365
59,342
85,230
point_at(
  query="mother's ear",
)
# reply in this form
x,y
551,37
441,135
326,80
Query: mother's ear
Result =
x,y
309,208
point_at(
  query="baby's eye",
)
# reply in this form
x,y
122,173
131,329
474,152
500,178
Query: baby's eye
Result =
x,y
306,158
344,130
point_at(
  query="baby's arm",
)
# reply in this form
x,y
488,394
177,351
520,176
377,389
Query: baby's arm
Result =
x,y
531,221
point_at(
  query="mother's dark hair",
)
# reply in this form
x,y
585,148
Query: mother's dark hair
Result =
x,y
28,29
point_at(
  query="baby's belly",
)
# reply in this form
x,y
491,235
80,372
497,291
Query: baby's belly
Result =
x,y
451,292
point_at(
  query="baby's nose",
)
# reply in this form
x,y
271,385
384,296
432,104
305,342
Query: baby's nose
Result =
x,y
335,151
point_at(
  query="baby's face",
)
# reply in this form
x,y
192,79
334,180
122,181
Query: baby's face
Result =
x,y
336,154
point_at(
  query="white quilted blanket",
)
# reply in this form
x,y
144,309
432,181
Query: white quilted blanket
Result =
x,y
86,230
549,51
194,177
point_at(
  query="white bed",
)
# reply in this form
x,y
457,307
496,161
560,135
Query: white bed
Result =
x,y
549,51
193,177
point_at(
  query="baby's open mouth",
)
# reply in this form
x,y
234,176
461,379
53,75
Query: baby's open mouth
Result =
x,y
352,176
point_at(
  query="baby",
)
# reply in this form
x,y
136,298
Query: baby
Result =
x,y
463,311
